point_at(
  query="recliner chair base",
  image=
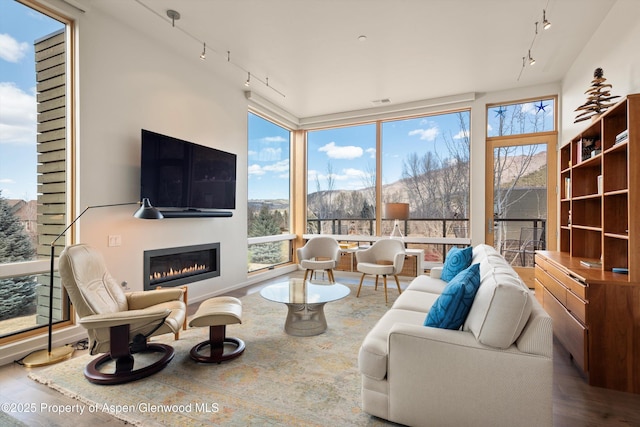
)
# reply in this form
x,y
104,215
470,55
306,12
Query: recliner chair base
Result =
x,y
124,367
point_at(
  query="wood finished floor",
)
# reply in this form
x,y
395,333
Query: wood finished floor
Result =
x,y
575,403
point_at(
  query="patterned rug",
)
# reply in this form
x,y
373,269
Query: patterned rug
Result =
x,y
279,380
7,420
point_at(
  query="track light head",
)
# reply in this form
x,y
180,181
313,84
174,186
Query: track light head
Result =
x,y
203,55
545,23
531,60
248,82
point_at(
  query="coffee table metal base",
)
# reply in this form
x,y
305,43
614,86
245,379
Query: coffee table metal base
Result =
x,y
305,320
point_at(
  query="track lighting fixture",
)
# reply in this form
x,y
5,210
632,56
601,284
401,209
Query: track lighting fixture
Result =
x,y
545,23
203,55
174,16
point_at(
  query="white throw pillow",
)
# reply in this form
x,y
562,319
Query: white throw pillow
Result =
x,y
500,310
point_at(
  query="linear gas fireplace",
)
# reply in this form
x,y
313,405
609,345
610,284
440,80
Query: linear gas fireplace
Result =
x,y
177,266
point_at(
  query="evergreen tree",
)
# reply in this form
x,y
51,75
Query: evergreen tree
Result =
x,y
17,294
265,224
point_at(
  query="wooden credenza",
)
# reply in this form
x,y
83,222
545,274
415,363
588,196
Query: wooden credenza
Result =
x,y
596,317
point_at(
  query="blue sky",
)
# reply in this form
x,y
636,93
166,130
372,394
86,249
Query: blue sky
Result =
x,y
20,26
347,153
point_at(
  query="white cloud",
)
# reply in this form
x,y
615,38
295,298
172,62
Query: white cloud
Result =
x,y
17,115
461,134
428,134
273,139
269,154
346,152
354,173
371,152
350,179
7,181
11,50
280,166
255,170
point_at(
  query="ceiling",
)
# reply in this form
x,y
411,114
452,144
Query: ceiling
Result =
x,y
414,49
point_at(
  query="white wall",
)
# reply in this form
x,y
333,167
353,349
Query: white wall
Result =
x,y
613,47
128,82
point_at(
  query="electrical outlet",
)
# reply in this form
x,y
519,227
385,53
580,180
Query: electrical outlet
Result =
x,y
115,240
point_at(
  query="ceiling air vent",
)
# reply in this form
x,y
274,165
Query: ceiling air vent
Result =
x,y
382,101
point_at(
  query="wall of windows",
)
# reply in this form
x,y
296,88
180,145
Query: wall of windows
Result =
x,y
33,147
268,204
423,161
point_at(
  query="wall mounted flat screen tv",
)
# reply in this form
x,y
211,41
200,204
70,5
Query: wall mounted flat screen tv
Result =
x,y
180,174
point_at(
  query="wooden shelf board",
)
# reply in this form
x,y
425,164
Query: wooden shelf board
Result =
x,y
616,192
586,227
617,236
588,196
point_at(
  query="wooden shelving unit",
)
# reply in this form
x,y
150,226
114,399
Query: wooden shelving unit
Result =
x,y
595,311
596,220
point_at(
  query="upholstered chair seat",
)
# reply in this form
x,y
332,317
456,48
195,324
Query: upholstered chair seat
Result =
x,y
320,253
118,323
384,258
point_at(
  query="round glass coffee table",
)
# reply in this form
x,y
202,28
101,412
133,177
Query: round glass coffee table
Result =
x,y
305,300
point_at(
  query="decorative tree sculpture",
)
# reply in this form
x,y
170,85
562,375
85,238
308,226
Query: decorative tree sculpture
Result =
x,y
598,99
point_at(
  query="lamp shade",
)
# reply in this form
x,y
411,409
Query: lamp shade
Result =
x,y
147,211
395,211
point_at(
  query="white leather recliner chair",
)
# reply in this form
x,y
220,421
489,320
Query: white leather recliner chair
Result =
x,y
118,323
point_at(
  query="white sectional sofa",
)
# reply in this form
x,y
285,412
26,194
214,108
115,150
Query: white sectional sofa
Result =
x,y
497,370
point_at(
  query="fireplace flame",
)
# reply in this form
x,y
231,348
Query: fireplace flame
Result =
x,y
174,274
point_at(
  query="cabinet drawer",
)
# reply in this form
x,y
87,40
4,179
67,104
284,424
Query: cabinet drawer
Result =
x,y
563,276
542,262
577,307
552,285
570,332
578,288
539,291
568,281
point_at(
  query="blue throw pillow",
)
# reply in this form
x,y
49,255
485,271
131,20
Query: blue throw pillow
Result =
x,y
451,308
457,260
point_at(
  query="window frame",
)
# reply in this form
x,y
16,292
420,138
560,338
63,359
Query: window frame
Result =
x,y
42,264
277,237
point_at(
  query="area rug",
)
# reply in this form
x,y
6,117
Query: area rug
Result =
x,y
279,380
7,420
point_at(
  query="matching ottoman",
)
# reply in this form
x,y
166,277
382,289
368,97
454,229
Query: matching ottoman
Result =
x,y
217,313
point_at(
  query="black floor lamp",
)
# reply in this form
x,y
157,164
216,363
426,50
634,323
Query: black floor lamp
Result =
x,y
55,355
